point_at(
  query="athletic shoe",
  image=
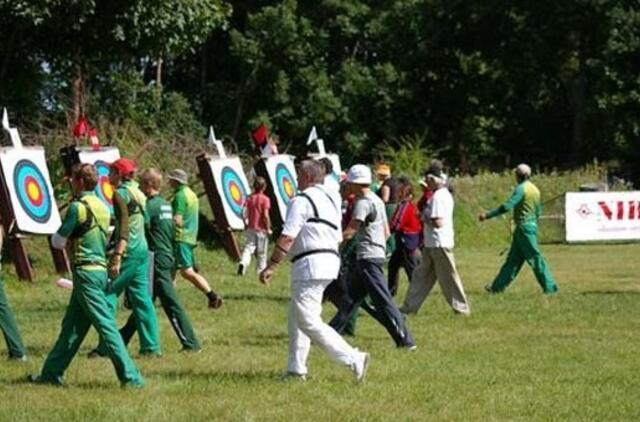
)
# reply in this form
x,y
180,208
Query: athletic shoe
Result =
x,y
360,366
37,379
408,347
20,359
215,302
241,269
191,350
487,289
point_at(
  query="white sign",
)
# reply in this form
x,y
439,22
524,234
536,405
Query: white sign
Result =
x,y
602,216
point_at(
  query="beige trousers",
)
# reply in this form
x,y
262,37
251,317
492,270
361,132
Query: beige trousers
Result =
x,y
437,264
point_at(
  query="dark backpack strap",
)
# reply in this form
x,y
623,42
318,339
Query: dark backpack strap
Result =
x,y
371,217
316,218
313,252
313,205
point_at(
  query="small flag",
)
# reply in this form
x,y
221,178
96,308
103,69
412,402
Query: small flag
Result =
x,y
313,135
5,119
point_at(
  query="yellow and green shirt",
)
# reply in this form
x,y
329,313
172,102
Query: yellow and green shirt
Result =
x,y
136,203
525,202
89,249
185,203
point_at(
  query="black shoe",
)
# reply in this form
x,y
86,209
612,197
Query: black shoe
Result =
x,y
241,269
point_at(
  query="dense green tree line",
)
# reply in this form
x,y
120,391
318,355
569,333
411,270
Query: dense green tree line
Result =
x,y
484,83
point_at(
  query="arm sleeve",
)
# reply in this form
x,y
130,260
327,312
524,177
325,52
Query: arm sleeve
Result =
x,y
122,217
437,208
297,215
361,210
70,221
516,197
179,204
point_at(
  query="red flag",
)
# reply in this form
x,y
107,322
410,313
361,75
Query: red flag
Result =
x,y
260,135
80,129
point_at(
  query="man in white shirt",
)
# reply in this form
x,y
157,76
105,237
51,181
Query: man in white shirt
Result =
x,y
310,237
438,262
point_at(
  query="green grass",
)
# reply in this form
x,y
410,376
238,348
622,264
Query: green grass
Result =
x,y
519,356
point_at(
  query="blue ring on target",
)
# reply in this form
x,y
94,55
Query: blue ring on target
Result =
x,y
286,183
32,191
102,170
232,183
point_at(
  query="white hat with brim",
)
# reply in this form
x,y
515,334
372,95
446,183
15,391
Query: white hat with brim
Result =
x,y
359,174
179,176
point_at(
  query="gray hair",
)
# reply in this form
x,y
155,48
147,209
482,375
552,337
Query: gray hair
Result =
x,y
312,168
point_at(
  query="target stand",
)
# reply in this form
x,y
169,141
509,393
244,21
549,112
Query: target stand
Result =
x,y
227,189
282,185
27,205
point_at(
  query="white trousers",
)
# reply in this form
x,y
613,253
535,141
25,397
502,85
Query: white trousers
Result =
x,y
306,325
255,243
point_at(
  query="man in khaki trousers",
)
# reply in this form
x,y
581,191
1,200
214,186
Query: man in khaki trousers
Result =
x,y
438,262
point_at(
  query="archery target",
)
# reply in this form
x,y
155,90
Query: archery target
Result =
x,y
283,181
101,159
25,173
232,188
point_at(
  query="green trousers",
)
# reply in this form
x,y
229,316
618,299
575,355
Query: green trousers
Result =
x,y
524,247
164,290
9,327
134,279
88,306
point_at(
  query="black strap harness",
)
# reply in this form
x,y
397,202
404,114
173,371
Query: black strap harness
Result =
x,y
317,220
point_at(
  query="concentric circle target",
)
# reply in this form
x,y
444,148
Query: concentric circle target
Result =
x,y
32,191
286,183
233,190
104,190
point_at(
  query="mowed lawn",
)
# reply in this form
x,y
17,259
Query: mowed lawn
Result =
x,y
519,356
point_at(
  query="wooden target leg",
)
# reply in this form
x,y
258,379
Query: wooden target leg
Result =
x,y
21,260
232,246
60,260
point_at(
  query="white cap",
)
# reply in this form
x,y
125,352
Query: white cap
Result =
x,y
523,170
359,174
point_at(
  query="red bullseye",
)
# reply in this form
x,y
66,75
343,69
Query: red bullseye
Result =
x,y
33,191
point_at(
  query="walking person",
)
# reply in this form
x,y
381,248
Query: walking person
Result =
x,y
310,237
15,347
86,224
258,222
438,262
129,266
160,236
369,225
405,225
186,220
526,205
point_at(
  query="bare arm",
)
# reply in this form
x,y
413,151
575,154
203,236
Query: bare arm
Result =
x,y
385,193
352,229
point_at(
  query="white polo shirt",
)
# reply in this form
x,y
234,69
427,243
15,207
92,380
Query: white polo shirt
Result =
x,y
439,206
313,236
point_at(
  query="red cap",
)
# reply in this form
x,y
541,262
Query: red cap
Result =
x,y
260,134
124,166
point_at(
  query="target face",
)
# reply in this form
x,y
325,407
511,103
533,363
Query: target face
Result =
x,y
233,190
286,183
25,174
32,191
104,190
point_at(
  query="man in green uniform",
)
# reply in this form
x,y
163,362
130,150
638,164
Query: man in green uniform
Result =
x,y
7,321
160,236
87,222
129,266
525,202
185,217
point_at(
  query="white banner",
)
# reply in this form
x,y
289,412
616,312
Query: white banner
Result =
x,y
27,178
602,216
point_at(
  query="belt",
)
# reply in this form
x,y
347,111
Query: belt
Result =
x,y
313,252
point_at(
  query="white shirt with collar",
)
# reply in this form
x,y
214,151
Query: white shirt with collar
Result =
x,y
312,236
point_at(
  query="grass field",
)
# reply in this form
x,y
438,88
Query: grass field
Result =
x,y
519,356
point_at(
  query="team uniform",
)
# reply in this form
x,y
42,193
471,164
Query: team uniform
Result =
x,y
526,205
134,272
185,203
314,221
160,237
87,221
8,324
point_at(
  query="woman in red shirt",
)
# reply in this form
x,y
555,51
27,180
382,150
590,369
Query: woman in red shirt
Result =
x,y
405,225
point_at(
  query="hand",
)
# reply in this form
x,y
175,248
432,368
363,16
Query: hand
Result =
x,y
114,266
482,216
266,275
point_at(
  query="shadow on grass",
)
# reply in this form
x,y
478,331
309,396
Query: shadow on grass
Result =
x,y
84,385
255,297
610,292
219,376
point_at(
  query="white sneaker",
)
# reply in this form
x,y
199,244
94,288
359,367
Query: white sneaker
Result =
x,y
360,366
